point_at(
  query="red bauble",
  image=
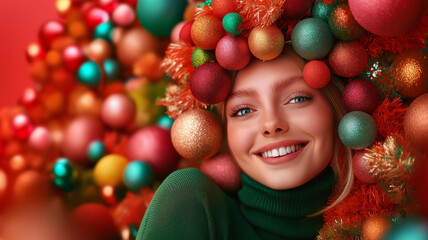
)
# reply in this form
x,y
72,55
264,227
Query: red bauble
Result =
x,y
223,7
348,59
51,31
416,122
360,95
185,32
207,31
175,34
223,170
95,221
72,57
35,51
95,16
232,52
360,168
316,74
22,126
81,132
118,110
386,17
296,8
420,181
108,5
153,145
210,83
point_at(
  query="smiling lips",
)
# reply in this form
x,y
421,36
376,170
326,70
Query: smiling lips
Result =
x,y
280,152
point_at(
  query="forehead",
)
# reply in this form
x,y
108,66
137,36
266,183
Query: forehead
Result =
x,y
260,72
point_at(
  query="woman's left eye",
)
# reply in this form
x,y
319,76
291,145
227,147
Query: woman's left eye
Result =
x,y
299,99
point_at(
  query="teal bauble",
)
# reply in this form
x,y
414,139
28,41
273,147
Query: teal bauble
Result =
x,y
357,130
138,174
201,56
321,11
104,31
232,23
96,151
165,122
89,73
62,169
113,69
159,17
312,39
409,229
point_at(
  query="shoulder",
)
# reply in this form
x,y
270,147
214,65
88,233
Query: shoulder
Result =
x,y
189,179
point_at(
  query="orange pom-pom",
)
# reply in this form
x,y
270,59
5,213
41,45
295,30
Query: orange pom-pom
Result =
x,y
266,43
207,31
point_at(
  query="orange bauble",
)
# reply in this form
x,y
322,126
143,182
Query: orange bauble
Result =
x,y
207,31
416,122
266,43
375,228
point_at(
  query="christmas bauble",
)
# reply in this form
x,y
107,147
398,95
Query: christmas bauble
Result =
x,y
295,8
376,227
197,134
109,170
410,228
104,31
123,15
137,175
72,57
185,32
223,7
312,39
89,73
232,52
416,122
118,110
357,130
360,168
343,25
348,59
40,138
232,23
266,43
210,83
316,74
201,56
206,31
321,10
360,95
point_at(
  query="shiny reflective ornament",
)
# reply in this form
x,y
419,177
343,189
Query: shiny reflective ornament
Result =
x,y
96,16
113,69
89,74
411,228
137,175
104,31
98,50
35,51
29,97
51,31
40,138
118,110
63,169
96,151
63,7
22,126
72,57
108,5
123,15
165,122
109,170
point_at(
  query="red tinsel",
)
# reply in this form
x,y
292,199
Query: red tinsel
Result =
x,y
260,12
203,11
389,117
178,61
132,208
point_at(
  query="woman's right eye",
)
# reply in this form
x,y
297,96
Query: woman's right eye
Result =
x,y
242,112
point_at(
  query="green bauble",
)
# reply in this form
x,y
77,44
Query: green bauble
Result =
x,y
104,31
312,39
357,130
201,56
321,10
342,24
232,23
160,16
89,73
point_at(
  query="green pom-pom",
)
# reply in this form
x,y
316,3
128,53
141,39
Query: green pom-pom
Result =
x,y
232,23
357,130
201,56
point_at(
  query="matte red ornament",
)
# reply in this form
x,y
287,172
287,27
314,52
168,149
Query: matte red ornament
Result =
x,y
185,32
51,31
72,57
95,16
316,74
118,110
153,145
232,52
210,83
223,171
296,8
416,122
360,95
95,221
223,7
78,135
360,168
386,17
207,31
348,59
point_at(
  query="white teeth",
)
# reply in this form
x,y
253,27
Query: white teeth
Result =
x,y
282,151
277,152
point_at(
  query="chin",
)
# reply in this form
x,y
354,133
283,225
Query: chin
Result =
x,y
281,183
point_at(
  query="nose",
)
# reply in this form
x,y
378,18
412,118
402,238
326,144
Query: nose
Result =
x,y
273,125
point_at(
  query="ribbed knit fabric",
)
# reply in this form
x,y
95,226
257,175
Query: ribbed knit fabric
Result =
x,y
188,205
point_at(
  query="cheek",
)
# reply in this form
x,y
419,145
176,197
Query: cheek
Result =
x,y
239,140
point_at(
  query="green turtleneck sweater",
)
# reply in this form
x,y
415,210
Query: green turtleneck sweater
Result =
x,y
188,205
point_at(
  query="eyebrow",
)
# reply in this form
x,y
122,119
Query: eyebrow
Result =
x,y
278,86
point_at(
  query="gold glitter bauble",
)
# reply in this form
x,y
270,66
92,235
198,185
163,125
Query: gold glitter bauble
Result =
x,y
375,227
410,73
266,43
197,134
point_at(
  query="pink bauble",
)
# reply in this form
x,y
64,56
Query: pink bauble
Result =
x,y
316,74
40,138
360,95
73,57
153,145
348,59
232,52
95,16
118,110
78,135
360,168
175,34
223,171
123,15
22,126
210,83
185,33
51,31
296,8
388,17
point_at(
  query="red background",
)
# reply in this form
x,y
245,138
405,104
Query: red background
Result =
x,y
19,24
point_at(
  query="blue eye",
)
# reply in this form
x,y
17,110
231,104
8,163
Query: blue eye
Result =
x,y
299,99
243,111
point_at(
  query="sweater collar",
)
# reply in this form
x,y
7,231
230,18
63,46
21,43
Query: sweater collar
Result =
x,y
284,212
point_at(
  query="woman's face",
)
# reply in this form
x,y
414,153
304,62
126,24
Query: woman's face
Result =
x,y
280,131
